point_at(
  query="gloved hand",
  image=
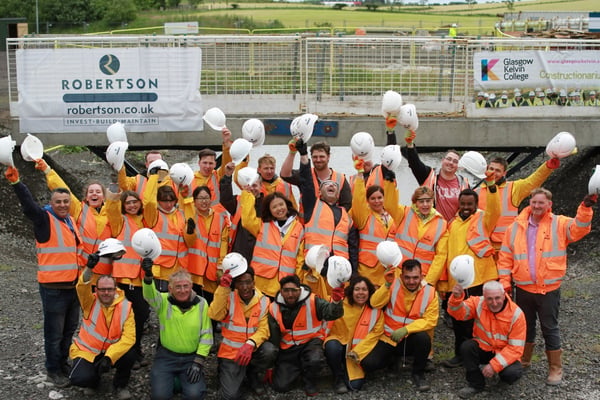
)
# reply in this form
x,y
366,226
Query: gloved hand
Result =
x,y
337,294
103,366
268,376
12,174
41,165
409,136
490,179
359,164
226,280
389,275
390,122
553,163
244,354
93,260
301,147
147,264
194,371
191,226
153,171
590,199
353,356
292,145
399,334
184,191
388,174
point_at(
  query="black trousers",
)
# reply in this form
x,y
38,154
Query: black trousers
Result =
x,y
416,344
84,373
463,330
473,356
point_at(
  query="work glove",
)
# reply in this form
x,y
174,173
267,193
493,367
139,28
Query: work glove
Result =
x,y
359,164
194,371
41,165
388,174
490,181
226,280
103,366
268,376
399,334
553,163
12,174
153,171
244,354
184,191
590,199
92,260
191,226
301,147
389,275
390,122
292,145
337,294
353,356
409,136
147,264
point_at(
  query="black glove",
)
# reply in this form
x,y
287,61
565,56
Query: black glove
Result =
x,y
93,260
388,174
194,372
154,171
590,199
147,264
103,366
191,226
301,147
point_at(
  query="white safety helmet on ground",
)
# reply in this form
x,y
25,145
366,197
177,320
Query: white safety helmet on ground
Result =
x,y
561,145
339,271
146,244
7,146
247,176
253,130
462,269
215,118
389,254
161,164
32,148
391,157
115,154
391,103
594,182
362,144
240,148
474,163
181,174
302,127
235,263
111,247
408,117
316,256
116,133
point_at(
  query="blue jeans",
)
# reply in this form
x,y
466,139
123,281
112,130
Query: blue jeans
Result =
x,y
167,366
61,318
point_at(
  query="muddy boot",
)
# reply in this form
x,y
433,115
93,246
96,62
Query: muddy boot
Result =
x,y
554,367
527,353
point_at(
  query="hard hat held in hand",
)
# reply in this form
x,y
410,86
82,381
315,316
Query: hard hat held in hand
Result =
x,y
240,148
408,117
111,247
160,164
215,118
235,263
561,145
389,254
594,183
462,269
362,145
339,271
181,174
302,127
253,130
391,157
116,133
247,176
316,256
146,244
7,146
391,103
115,154
474,163
32,148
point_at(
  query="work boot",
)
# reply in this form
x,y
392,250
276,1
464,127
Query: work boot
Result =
x,y
429,365
554,367
256,384
527,353
123,393
468,392
420,382
339,386
310,388
58,379
454,362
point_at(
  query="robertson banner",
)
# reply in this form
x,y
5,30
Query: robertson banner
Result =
x,y
536,68
86,90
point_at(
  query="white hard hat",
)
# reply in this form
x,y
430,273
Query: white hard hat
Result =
x,y
32,148
391,103
215,118
160,163
492,96
474,163
253,130
389,254
235,263
146,243
339,271
563,93
116,133
462,269
594,183
531,93
391,157
408,117
181,174
247,176
239,149
362,144
316,256
538,89
302,127
115,154
7,145
561,145
112,247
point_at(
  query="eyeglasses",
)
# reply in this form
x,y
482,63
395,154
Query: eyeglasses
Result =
x,y
452,160
110,289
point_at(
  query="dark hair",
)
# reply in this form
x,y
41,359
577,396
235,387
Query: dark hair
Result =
x,y
410,264
164,192
124,197
290,279
60,190
199,189
355,280
250,271
500,160
469,192
323,146
451,151
206,153
266,211
373,189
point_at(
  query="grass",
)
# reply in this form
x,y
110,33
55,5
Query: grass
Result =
x,y
73,149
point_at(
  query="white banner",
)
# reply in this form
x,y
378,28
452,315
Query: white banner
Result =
x,y
536,68
86,90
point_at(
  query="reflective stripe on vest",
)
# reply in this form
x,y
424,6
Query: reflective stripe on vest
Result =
x,y
334,237
431,182
272,254
411,246
366,323
479,243
205,253
395,313
508,211
129,265
170,240
87,224
200,311
95,335
306,325
57,258
370,236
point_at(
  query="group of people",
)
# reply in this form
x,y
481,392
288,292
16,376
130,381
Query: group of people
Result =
x,y
537,97
280,320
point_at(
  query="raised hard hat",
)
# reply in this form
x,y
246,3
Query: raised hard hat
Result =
x,y
111,247
32,148
389,254
215,118
160,164
408,117
116,133
181,174
480,94
302,126
247,176
316,256
339,271
594,182
115,154
462,269
362,144
146,244
561,145
592,93
240,148
391,157
474,163
391,103
253,130
531,94
7,146
235,263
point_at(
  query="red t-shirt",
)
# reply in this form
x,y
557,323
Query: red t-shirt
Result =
x,y
446,197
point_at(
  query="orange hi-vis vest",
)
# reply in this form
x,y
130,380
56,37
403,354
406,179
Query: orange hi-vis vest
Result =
x,y
306,325
204,255
321,230
234,223
88,232
141,181
95,335
431,181
57,258
366,323
129,265
235,329
375,178
396,316
272,255
370,236
282,187
171,240
508,211
213,184
335,176
477,237
406,234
